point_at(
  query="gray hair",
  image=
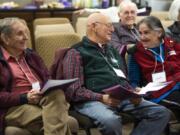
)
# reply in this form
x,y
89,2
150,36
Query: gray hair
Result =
x,y
6,24
124,3
174,10
153,23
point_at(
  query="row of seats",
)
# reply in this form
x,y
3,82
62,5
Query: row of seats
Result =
x,y
61,25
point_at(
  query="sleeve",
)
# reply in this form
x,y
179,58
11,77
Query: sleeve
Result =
x,y
134,73
8,99
116,42
72,68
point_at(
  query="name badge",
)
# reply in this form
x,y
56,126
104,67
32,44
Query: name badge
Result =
x,y
119,73
172,52
36,86
159,77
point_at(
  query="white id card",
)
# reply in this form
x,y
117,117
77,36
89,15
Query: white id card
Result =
x,y
36,86
159,77
119,73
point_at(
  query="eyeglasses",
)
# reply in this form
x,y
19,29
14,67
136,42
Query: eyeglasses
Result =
x,y
109,25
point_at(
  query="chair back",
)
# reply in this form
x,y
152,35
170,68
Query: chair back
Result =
x,y
54,28
81,26
162,15
45,21
46,45
166,23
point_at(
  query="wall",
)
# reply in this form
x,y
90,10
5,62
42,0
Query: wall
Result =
x,y
158,5
24,2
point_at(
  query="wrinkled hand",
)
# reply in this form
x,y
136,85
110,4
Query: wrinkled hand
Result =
x,y
34,97
110,101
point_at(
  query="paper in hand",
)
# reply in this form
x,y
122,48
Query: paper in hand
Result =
x,y
50,84
153,86
121,93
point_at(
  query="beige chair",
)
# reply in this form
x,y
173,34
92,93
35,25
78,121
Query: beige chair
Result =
x,y
81,26
139,18
45,21
46,45
162,15
167,23
54,28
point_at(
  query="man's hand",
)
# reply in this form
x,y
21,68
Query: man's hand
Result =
x,y
110,101
136,101
34,97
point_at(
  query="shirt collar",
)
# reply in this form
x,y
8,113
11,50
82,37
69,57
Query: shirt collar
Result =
x,y
7,55
126,26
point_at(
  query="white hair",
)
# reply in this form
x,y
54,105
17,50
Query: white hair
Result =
x,y
174,10
125,3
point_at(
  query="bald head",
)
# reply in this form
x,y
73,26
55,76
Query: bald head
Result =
x,y
97,17
99,28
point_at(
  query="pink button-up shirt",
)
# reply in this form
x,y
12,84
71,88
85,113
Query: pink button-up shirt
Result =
x,y
23,75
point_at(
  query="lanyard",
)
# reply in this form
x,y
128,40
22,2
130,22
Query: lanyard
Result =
x,y
105,58
28,70
158,55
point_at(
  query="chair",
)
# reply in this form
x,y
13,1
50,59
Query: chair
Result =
x,y
53,28
45,21
162,15
81,26
139,18
166,23
46,45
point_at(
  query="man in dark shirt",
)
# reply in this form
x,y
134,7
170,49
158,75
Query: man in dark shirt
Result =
x,y
125,33
99,66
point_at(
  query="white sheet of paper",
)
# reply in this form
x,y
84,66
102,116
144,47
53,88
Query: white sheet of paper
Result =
x,y
53,83
152,86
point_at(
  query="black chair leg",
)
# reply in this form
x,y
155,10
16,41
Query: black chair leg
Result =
x,y
167,129
88,131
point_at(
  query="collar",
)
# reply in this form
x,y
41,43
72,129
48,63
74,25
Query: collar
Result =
x,y
7,55
91,43
126,26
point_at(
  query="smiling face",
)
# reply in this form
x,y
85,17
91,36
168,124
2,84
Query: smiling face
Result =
x,y
149,38
127,13
16,41
99,28
103,30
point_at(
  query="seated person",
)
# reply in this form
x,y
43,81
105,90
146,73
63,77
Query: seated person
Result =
x,y
156,59
99,66
112,12
125,33
22,75
173,31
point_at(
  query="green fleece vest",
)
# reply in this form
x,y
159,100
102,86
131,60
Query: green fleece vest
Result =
x,y
98,65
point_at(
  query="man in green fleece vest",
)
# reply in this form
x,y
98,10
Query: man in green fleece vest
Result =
x,y
99,66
